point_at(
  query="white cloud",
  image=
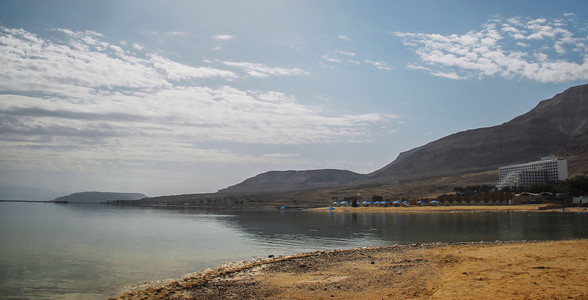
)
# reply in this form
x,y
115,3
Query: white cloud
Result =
x,y
342,57
331,59
178,71
348,53
166,125
262,71
343,37
86,104
83,64
417,67
451,75
177,33
491,51
223,37
521,44
379,65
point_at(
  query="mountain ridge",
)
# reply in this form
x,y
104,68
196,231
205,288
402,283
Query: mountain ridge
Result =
x,y
544,130
548,128
97,197
281,181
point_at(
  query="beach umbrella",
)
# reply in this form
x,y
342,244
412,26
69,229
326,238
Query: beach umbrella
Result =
x,y
330,207
396,202
420,202
406,202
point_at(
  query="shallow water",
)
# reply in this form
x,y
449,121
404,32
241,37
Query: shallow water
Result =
x,y
90,251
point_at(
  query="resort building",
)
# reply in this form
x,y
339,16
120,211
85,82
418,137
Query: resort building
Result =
x,y
548,169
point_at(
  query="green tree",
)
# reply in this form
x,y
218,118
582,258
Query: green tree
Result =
x,y
540,187
578,185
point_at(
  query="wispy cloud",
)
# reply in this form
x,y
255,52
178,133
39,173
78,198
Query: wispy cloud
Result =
x,y
343,37
348,57
79,102
177,71
177,33
262,70
331,59
85,64
451,75
381,65
347,53
539,49
223,37
342,57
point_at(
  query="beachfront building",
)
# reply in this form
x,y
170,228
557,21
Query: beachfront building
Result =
x,y
548,169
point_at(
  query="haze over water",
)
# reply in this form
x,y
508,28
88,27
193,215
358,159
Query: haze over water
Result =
x,y
93,251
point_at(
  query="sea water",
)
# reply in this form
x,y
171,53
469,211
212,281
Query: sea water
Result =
x,y
92,251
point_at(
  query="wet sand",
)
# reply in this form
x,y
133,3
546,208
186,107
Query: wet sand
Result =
x,y
484,270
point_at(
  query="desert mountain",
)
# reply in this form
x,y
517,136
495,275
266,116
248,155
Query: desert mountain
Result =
x,y
97,197
553,126
548,128
281,181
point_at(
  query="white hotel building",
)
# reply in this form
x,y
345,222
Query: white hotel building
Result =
x,y
548,169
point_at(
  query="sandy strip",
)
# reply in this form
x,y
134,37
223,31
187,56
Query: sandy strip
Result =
x,y
451,208
508,270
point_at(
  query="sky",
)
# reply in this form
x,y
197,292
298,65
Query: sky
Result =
x,y
174,97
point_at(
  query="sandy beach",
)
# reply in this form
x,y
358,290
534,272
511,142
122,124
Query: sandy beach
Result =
x,y
450,208
483,270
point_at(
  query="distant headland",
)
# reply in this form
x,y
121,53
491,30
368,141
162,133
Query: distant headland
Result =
x,y
98,197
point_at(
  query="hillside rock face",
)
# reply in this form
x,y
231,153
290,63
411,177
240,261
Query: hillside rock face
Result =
x,y
545,130
282,181
557,125
97,197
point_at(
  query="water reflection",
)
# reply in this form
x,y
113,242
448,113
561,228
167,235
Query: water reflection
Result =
x,y
391,228
52,251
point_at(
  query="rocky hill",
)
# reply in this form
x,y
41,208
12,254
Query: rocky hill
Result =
x,y
551,126
555,126
97,197
282,181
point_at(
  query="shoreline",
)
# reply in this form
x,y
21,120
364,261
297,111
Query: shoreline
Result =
x,y
451,208
508,269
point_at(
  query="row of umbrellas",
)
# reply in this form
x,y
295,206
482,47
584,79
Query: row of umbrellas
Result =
x,y
386,202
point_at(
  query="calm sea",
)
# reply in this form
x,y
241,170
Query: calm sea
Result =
x,y
86,251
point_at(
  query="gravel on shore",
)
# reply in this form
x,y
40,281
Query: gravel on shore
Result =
x,y
481,270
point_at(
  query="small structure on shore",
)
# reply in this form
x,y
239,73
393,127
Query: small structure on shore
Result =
x,y
581,200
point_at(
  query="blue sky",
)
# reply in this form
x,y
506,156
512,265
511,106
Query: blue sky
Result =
x,y
170,97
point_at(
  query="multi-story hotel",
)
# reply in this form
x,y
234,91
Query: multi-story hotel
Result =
x,y
548,169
